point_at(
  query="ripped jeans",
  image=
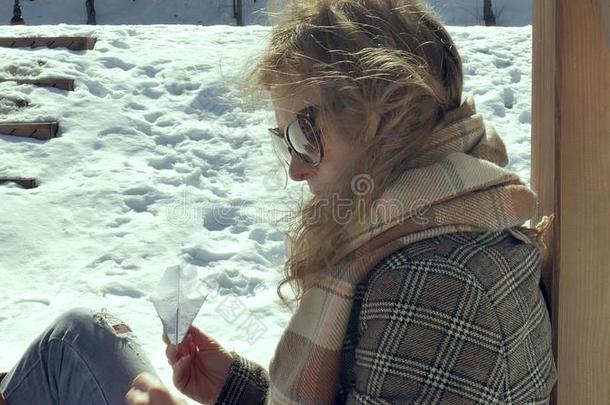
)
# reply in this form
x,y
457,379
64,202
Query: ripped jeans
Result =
x,y
83,358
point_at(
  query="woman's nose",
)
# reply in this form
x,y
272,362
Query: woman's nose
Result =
x,y
299,170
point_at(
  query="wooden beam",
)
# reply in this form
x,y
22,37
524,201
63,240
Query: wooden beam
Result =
x,y
61,84
90,6
240,12
17,17
25,182
545,132
570,146
72,43
38,130
604,10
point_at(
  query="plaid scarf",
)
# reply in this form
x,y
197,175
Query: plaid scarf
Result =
x,y
457,184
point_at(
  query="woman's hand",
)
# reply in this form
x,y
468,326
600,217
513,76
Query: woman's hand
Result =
x,y
201,365
147,390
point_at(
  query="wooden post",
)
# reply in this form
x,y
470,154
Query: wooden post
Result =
x,y
545,130
604,7
570,168
91,19
240,13
488,13
17,17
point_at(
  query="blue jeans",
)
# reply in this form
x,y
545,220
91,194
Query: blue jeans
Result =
x,y
82,358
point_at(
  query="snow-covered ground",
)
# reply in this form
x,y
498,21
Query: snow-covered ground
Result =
x,y
160,163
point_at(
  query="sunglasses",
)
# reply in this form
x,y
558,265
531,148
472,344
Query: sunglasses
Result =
x,y
300,136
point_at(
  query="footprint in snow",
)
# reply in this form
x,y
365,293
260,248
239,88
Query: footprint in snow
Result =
x,y
107,257
120,289
116,63
232,282
117,43
140,198
515,76
153,116
118,222
509,97
150,71
525,117
213,98
43,301
502,63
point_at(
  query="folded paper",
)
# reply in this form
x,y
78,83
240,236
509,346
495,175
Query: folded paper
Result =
x,y
177,300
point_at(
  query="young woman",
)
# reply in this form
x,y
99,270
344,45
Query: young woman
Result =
x,y
414,279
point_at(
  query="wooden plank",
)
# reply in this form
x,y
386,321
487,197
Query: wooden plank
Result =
x,y
25,182
62,84
545,132
571,82
604,11
584,305
38,130
72,43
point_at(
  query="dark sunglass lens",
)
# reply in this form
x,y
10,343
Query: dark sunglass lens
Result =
x,y
303,139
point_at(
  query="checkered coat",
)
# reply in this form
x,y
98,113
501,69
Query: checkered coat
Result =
x,y
454,319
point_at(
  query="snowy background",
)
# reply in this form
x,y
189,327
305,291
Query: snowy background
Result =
x,y
208,12
470,12
160,163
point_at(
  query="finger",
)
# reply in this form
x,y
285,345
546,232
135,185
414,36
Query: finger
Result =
x,y
172,354
165,339
136,397
201,339
185,345
160,396
182,371
145,381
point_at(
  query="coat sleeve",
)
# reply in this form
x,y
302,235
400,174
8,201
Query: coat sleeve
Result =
x,y
428,335
247,383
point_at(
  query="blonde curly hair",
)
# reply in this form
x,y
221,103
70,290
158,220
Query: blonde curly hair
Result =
x,y
388,72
